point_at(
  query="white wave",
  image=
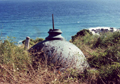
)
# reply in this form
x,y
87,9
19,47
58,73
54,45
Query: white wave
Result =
x,y
97,30
2,38
78,21
109,28
20,42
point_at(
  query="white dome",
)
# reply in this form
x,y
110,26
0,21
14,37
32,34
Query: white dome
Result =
x,y
64,53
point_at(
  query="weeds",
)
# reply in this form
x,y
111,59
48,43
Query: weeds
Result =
x,y
19,66
102,52
12,60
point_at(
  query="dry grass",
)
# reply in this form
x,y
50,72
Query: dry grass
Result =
x,y
17,66
41,75
103,54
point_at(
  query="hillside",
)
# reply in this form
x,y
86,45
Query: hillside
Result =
x,y
102,53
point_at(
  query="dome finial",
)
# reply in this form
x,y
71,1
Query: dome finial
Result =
x,y
53,21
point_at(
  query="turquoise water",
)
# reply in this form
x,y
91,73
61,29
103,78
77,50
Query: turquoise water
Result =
x,y
34,19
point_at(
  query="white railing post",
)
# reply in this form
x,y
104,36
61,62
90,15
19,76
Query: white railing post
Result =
x,y
27,41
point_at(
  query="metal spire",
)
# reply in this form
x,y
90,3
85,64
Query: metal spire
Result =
x,y
53,21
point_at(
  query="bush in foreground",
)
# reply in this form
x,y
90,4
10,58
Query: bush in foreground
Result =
x,y
18,66
103,54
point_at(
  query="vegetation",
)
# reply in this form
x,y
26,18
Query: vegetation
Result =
x,y
102,52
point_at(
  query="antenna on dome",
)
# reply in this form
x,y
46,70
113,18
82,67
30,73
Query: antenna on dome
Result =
x,y
53,21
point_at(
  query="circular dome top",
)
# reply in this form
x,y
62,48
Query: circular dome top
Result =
x,y
64,53
55,34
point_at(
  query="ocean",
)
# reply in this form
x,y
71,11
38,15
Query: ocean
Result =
x,y
34,19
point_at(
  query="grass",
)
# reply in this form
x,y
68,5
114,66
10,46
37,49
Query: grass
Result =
x,y
19,66
102,52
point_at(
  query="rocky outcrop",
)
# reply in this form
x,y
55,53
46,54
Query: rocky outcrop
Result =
x,y
98,30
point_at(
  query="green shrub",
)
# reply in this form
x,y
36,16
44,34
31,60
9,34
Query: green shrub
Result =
x,y
103,54
108,39
12,55
81,34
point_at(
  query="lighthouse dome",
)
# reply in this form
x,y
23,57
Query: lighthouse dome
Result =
x,y
61,52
